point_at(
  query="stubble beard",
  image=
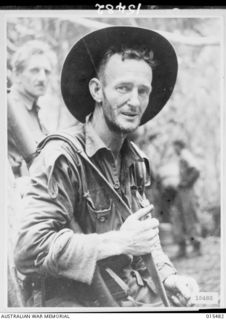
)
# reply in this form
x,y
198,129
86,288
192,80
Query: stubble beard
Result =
x,y
117,128
114,125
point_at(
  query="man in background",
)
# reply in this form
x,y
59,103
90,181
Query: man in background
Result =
x,y
187,228
32,65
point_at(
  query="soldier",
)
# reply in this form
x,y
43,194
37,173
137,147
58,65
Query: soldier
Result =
x,y
32,65
86,203
187,229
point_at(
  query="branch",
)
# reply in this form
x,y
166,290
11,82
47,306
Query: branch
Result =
x,y
192,41
174,37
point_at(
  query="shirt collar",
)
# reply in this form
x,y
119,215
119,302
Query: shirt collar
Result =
x,y
28,100
130,153
93,144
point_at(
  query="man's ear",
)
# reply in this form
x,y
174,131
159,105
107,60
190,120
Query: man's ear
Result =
x,y
95,89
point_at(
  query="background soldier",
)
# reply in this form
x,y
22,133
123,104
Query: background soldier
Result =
x,y
186,225
32,65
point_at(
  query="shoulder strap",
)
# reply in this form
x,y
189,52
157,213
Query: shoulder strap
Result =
x,y
142,171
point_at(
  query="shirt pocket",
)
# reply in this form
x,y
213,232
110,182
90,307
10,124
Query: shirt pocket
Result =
x,y
101,211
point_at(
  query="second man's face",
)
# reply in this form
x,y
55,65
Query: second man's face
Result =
x,y
126,90
34,78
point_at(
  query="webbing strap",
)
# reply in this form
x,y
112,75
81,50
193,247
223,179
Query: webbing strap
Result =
x,y
118,280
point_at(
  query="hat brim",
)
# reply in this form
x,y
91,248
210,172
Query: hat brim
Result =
x,y
84,57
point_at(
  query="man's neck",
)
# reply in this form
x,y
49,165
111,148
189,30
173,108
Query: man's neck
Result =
x,y
113,140
28,97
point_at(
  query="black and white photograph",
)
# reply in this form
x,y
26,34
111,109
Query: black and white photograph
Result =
x,y
113,160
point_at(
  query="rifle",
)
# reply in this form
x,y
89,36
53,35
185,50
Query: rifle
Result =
x,y
140,179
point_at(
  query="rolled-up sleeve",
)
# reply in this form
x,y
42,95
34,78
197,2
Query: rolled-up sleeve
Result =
x,y
49,240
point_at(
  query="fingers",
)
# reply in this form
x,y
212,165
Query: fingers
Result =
x,y
148,226
143,212
149,234
184,290
179,300
151,223
188,287
132,223
153,241
175,301
142,235
150,243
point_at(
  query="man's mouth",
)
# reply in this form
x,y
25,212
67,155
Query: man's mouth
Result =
x,y
130,114
40,86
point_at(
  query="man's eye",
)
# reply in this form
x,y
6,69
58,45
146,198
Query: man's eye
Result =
x,y
35,70
122,89
143,92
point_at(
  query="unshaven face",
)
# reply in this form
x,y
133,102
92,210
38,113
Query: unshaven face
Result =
x,y
126,90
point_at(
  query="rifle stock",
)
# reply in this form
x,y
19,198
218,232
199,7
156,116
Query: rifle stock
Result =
x,y
150,265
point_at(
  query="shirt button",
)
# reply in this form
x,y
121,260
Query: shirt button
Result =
x,y
116,185
102,219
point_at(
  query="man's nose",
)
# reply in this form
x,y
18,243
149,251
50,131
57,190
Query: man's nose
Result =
x,y
134,98
42,75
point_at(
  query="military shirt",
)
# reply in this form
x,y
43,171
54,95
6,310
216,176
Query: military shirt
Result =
x,y
66,207
27,110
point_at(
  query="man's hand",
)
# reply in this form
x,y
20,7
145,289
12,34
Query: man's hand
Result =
x,y
182,289
139,233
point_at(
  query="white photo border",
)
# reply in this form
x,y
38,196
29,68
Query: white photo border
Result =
x,y
4,15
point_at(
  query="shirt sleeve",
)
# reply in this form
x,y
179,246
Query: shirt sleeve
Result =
x,y
50,240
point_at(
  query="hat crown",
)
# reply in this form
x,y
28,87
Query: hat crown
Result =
x,y
83,60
